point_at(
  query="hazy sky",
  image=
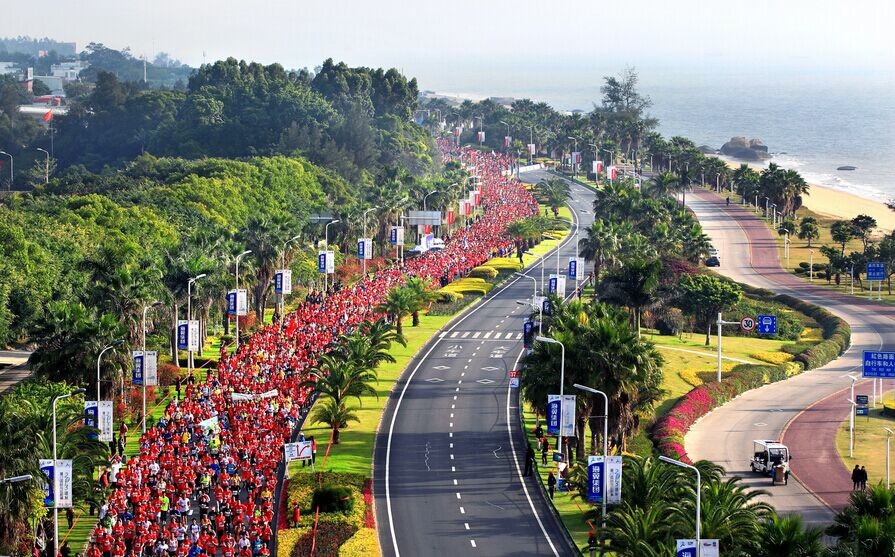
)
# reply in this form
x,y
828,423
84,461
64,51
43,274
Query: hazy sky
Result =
x,y
437,40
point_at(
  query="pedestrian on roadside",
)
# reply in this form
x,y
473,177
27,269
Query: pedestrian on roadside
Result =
x,y
856,478
863,479
529,460
551,484
545,448
70,517
313,450
728,201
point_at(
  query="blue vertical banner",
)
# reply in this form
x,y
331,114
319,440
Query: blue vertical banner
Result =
x,y
595,472
91,417
551,285
278,282
321,262
573,268
553,409
231,302
527,333
46,466
361,249
183,335
137,376
545,307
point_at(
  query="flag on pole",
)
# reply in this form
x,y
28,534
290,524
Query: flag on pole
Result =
x,y
48,116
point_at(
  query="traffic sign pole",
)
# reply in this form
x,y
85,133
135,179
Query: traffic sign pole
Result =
x,y
721,323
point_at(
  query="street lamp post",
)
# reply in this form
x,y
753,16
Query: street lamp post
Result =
x,y
364,261
10,169
698,494
56,507
786,243
562,380
326,249
889,434
851,418
605,445
143,347
189,318
283,266
531,141
236,276
508,134
811,265
47,167
534,297
99,358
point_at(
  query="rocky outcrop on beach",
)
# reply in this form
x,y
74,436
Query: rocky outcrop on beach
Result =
x,y
747,150
706,150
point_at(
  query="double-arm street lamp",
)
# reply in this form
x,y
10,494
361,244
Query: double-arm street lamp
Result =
x,y
326,249
698,493
47,166
562,380
605,417
143,347
55,506
99,358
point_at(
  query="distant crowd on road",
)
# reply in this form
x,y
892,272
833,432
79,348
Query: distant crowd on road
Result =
x,y
205,478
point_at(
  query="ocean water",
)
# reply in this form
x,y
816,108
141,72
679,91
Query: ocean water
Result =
x,y
813,123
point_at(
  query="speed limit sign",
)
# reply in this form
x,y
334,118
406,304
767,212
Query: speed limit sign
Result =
x,y
747,324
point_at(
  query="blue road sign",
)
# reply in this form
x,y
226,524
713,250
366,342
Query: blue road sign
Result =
x,y
876,270
862,411
767,324
862,400
879,364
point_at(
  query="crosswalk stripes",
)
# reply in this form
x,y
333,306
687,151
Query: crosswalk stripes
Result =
x,y
477,334
491,335
488,334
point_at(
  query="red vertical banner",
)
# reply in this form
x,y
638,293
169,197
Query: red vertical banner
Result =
x,y
428,229
450,216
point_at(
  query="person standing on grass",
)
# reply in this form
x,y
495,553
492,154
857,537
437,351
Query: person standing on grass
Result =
x,y
529,460
551,484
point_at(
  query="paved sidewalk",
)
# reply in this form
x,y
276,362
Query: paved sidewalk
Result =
x,y
811,432
13,368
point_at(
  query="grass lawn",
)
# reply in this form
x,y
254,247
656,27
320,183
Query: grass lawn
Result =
x,y
677,361
571,511
84,523
354,453
870,443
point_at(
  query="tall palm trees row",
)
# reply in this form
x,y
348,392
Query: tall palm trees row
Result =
x,y
349,371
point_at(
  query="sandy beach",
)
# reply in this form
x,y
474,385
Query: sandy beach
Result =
x,y
836,203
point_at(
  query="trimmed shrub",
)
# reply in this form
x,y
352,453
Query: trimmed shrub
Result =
x,y
668,432
448,296
483,272
505,264
775,358
332,499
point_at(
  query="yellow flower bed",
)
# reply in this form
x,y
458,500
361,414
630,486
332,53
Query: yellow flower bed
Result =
x,y
484,272
505,264
793,368
775,358
691,376
364,543
288,539
469,284
812,333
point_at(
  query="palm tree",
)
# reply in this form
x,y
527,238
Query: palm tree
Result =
x,y
787,535
600,246
696,243
423,295
808,229
639,531
399,303
338,378
334,414
633,286
554,192
265,236
730,513
663,184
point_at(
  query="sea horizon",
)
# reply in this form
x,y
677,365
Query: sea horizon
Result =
x,y
812,123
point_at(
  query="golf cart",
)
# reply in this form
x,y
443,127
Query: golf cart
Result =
x,y
771,458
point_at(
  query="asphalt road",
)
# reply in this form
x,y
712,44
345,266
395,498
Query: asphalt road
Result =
x,y
786,410
449,456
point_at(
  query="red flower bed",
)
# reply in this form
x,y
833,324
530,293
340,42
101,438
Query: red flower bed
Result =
x,y
330,536
369,519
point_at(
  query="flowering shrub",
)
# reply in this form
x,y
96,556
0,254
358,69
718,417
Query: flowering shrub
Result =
x,y
776,358
367,491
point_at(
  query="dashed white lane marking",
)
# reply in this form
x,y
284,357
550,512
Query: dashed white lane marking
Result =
x,y
462,510
477,334
455,397
455,481
457,390
462,374
466,367
454,334
465,334
458,495
451,434
466,525
472,542
469,361
452,457
452,406
453,468
451,445
459,381
452,414
488,334
451,425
